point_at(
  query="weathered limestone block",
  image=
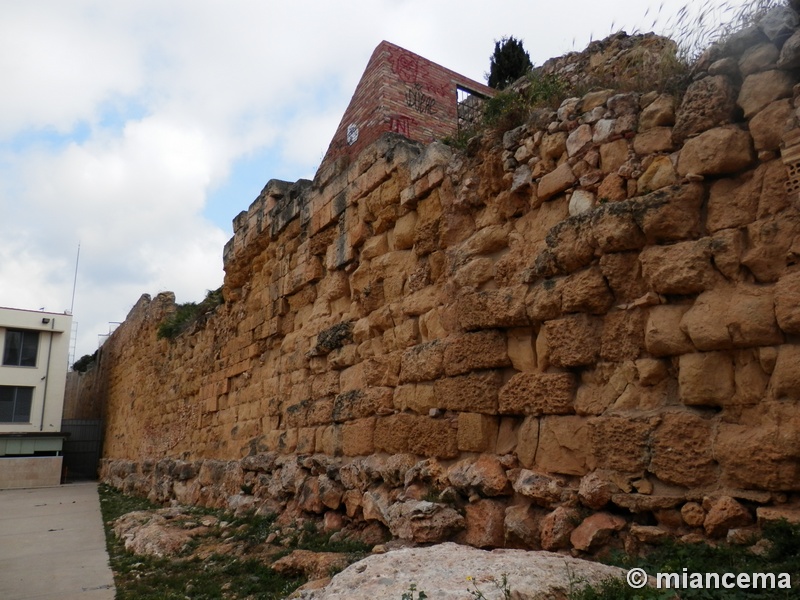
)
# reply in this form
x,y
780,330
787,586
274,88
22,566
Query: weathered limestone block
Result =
x,y
423,522
544,300
474,392
477,432
564,445
682,268
707,103
614,154
358,437
420,435
724,513
572,243
623,335
706,379
423,362
557,527
555,182
623,272
761,453
473,351
717,152
573,340
660,174
504,307
621,443
681,453
525,440
596,489
520,349
767,127
542,489
760,89
579,139
660,112
733,317
785,382
787,302
693,514
769,246
595,530
357,404
734,202
485,475
484,524
670,214
653,141
663,333
538,394
522,525
586,291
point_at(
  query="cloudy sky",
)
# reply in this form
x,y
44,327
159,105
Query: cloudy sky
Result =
x,y
139,128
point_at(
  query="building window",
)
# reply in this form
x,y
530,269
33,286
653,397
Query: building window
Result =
x,y
15,404
21,348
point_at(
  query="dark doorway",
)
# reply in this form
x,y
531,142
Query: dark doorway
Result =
x,y
82,448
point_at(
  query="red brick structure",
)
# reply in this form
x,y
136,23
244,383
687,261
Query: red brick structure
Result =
x,y
404,93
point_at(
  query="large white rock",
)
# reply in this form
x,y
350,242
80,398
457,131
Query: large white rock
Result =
x,y
441,571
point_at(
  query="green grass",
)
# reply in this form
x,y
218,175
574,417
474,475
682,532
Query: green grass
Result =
x,y
219,576
782,555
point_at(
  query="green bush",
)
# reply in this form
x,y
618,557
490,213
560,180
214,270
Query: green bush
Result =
x,y
188,314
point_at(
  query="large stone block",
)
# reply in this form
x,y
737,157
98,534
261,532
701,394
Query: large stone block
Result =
x,y
785,382
760,89
718,151
357,404
586,291
484,523
557,181
623,335
767,127
762,455
476,432
621,443
706,379
733,202
473,351
544,300
416,434
623,272
707,103
682,268
504,307
770,242
733,317
787,302
423,362
474,392
538,394
358,437
670,214
564,445
663,335
682,451
573,340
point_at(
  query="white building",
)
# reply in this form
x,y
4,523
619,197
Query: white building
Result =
x,y
33,368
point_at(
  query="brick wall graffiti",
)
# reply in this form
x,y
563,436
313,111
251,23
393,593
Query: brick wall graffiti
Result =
x,y
401,124
420,101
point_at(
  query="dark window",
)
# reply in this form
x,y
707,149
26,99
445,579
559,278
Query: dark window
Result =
x,y
15,404
21,348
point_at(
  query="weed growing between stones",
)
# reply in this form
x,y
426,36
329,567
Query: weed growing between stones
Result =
x,y
502,586
189,314
778,552
412,589
233,561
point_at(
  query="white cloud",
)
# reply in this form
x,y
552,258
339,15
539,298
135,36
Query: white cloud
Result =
x,y
119,118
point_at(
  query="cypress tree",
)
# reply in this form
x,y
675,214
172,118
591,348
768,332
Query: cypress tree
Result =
x,y
509,62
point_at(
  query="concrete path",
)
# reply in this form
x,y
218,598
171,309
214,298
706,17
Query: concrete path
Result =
x,y
52,544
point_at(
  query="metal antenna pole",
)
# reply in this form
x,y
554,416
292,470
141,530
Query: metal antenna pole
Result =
x,y
75,279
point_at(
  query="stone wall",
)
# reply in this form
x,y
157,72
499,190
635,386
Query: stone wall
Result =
x,y
579,333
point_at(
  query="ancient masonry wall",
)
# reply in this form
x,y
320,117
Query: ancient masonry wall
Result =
x,y
583,334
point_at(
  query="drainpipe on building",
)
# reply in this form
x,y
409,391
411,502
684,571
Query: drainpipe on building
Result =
x,y
47,372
